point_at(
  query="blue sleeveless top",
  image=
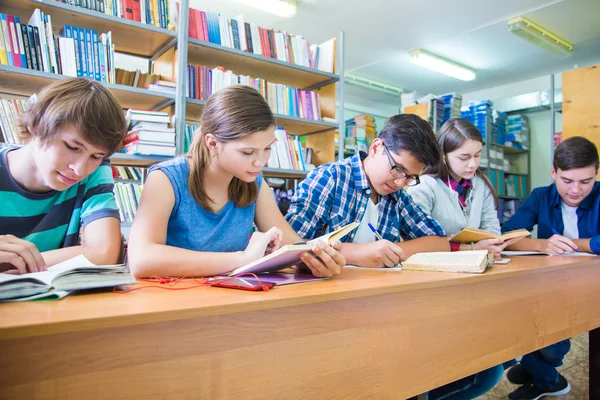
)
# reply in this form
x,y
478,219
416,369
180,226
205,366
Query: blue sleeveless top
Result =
x,y
193,227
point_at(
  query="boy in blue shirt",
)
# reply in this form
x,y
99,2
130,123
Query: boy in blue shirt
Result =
x,y
369,189
60,181
567,214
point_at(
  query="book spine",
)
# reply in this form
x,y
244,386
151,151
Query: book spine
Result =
x,y
26,47
38,48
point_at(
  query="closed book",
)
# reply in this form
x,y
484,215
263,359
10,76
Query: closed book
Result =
x,y
474,262
150,149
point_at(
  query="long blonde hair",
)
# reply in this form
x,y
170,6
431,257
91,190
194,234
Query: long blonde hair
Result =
x,y
229,114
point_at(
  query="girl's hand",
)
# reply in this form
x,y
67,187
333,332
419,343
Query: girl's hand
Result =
x,y
262,243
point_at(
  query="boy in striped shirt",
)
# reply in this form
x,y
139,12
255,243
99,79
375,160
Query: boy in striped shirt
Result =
x,y
61,180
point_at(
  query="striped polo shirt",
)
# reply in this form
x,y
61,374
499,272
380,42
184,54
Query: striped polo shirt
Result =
x,y
52,220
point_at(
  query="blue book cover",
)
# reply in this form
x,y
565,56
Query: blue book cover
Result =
x,y
8,42
96,56
214,32
89,51
20,40
79,36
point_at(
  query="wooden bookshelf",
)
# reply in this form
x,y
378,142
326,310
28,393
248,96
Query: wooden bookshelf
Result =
x,y
510,150
130,160
245,63
284,173
293,125
25,82
128,36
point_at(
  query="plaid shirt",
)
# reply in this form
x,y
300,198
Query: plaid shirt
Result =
x,y
336,194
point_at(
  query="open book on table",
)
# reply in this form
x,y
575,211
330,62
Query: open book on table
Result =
x,y
459,261
61,279
472,235
289,255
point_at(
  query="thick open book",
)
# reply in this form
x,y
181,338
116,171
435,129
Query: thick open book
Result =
x,y
61,279
470,235
458,261
289,255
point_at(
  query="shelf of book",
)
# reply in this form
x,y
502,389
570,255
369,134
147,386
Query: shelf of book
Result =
x,y
293,125
244,63
128,36
25,82
510,150
283,173
131,160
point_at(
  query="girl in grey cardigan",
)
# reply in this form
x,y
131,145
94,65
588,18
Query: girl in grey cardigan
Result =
x,y
458,195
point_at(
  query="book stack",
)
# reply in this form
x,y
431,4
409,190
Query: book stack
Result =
x,y
452,105
153,12
499,127
149,134
517,131
480,115
74,51
127,173
235,33
128,197
436,113
10,113
360,132
283,99
138,79
287,153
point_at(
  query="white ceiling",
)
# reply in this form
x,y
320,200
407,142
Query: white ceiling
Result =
x,y
380,33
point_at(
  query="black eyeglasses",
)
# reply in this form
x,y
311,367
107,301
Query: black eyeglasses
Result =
x,y
399,173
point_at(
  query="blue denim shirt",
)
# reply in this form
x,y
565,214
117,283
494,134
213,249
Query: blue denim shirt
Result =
x,y
543,208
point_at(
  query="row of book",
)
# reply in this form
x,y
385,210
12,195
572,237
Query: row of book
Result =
x,y
127,173
283,99
142,80
234,33
153,12
74,51
507,184
287,153
10,113
128,197
149,134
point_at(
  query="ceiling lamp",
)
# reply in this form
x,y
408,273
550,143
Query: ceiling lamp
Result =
x,y
438,64
373,85
539,36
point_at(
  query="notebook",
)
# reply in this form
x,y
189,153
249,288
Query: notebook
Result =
x,y
470,235
289,255
62,279
459,261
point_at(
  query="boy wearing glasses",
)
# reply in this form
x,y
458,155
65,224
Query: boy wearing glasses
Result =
x,y
367,188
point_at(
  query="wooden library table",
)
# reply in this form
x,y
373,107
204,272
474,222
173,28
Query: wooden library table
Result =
x,y
364,334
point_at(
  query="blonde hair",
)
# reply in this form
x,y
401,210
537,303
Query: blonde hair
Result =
x,y
86,104
229,114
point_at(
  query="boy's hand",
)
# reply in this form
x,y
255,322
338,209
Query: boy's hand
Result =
x,y
558,244
381,253
18,256
325,261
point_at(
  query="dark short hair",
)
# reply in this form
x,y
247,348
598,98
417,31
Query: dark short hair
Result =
x,y
575,152
413,134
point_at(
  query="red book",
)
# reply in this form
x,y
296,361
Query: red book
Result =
x,y
192,32
14,40
128,12
137,11
204,26
198,24
264,42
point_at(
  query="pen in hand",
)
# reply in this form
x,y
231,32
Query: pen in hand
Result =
x,y
377,235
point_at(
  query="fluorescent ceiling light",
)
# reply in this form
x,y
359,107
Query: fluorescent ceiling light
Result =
x,y
539,36
442,66
373,85
281,8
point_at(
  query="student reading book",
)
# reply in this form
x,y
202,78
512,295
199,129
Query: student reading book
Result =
x,y
196,212
456,192
458,195
60,181
368,188
567,215
61,279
